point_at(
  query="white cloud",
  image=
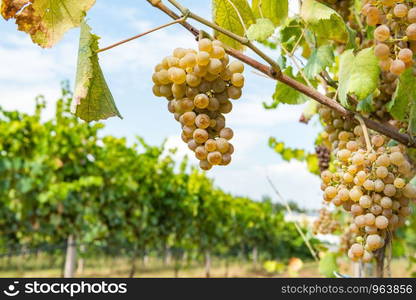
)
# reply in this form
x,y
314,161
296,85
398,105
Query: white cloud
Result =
x,y
22,99
251,112
143,54
292,180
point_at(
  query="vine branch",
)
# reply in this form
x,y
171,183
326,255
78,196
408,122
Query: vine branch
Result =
x,y
273,71
140,35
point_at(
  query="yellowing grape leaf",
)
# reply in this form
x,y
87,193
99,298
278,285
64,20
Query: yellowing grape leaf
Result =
x,y
92,98
275,10
325,22
358,75
233,15
261,30
46,20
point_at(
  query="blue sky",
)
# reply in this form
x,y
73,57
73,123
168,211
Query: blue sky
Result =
x,y
28,70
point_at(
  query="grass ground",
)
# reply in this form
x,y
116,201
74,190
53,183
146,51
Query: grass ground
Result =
x,y
120,267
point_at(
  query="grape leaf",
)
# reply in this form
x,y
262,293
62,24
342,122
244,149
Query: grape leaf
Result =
x,y
404,96
328,264
366,105
227,13
287,154
325,22
285,94
261,30
321,58
275,10
46,20
92,98
312,162
290,33
358,75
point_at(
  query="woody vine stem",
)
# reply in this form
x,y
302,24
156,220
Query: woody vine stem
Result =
x,y
273,71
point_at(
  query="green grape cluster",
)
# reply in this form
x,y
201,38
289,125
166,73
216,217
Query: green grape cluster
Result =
x,y
371,184
395,33
325,223
198,86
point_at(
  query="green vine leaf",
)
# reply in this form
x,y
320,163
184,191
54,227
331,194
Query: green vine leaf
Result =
x,y
404,96
288,154
275,10
358,75
285,94
325,22
291,33
366,105
320,59
261,30
328,264
46,20
92,99
227,13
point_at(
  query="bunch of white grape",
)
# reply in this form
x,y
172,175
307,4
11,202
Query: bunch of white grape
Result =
x,y
326,223
199,86
371,184
395,33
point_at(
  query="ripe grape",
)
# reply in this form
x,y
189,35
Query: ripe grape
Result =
x,y
200,135
405,55
217,52
382,51
210,145
205,165
397,67
205,45
385,64
400,10
237,79
202,121
214,66
226,107
382,33
214,158
201,153
411,15
201,101
357,250
222,145
411,32
226,159
236,67
193,80
227,133
234,92
373,16
202,58
373,242
188,118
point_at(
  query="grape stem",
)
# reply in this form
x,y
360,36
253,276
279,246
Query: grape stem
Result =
x,y
305,239
366,136
273,71
141,34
